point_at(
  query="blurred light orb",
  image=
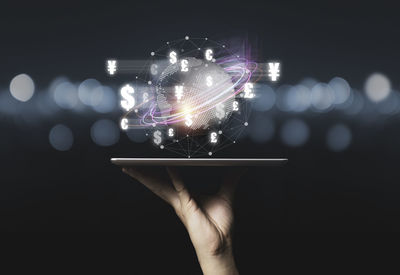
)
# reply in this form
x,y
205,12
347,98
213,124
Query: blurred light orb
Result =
x,y
355,104
295,132
136,135
341,89
265,98
104,132
66,95
7,104
338,137
377,87
61,137
309,82
390,104
322,97
282,101
85,90
299,98
262,128
22,87
103,99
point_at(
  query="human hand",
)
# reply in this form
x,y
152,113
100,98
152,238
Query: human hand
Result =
x,y
208,220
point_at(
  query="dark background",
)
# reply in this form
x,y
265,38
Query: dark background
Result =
x,y
42,189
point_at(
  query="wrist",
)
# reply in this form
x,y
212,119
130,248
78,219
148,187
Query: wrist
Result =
x,y
222,263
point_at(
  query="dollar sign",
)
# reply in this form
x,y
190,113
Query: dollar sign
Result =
x,y
172,57
209,54
153,69
157,137
127,93
170,132
188,120
145,97
220,111
209,81
235,106
213,137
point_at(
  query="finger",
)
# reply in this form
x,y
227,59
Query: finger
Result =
x,y
183,193
230,183
157,185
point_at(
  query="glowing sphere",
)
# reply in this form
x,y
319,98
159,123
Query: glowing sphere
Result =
x,y
207,94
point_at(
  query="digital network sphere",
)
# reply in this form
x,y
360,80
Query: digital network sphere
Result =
x,y
207,94
190,98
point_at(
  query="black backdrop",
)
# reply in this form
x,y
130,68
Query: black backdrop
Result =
x,y
42,189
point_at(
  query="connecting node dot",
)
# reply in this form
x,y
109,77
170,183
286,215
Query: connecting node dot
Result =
x,y
219,132
209,153
187,37
162,146
152,53
246,123
149,82
136,110
154,125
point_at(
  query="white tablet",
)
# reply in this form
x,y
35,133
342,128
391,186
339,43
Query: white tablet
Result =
x,y
199,161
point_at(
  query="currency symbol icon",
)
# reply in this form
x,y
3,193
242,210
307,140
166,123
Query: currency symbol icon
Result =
x,y
154,69
220,111
235,106
248,90
124,123
213,137
145,97
209,54
184,65
111,66
172,57
209,81
273,71
179,92
171,132
127,93
157,137
188,120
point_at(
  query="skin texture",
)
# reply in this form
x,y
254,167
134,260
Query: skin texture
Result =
x,y
208,220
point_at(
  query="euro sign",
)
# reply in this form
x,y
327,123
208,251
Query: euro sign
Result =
x,y
128,100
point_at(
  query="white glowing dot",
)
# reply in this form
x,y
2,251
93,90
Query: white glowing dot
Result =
x,y
187,37
199,49
377,87
22,87
234,141
152,53
154,125
223,46
136,110
167,43
206,38
137,77
149,82
209,153
219,132
246,123
162,146
189,157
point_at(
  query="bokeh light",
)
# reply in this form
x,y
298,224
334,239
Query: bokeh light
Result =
x,y
341,89
22,87
322,97
295,132
390,105
299,98
261,128
61,137
265,98
66,95
338,137
103,99
137,135
85,90
104,132
377,87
